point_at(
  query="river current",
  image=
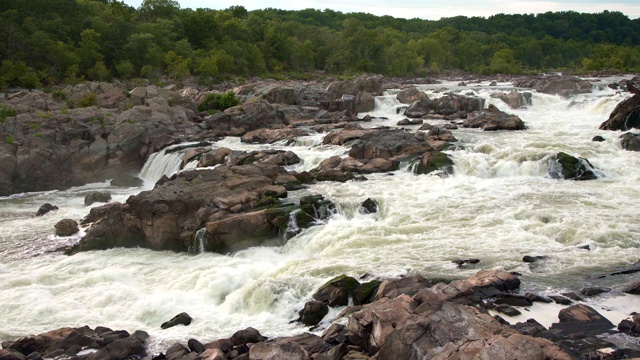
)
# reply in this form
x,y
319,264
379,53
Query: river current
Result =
x,y
498,206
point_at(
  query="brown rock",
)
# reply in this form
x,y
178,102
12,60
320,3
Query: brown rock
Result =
x,y
625,116
66,227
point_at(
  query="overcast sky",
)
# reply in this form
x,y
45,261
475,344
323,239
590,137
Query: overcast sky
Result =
x,y
432,10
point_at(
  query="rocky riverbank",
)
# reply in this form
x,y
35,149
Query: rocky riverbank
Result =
x,y
399,318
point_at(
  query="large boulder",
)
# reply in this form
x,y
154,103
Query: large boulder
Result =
x,y
238,205
555,85
514,98
410,95
388,144
573,168
625,116
492,119
337,291
630,141
452,103
581,320
66,227
97,196
270,136
241,119
434,161
420,108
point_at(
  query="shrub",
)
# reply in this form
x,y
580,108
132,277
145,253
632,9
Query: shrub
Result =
x,y
59,95
6,112
10,139
88,100
219,102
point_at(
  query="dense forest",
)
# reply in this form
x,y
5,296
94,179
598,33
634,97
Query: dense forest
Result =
x,y
44,42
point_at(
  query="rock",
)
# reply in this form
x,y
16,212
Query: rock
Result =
x,y
594,290
45,208
435,161
513,300
631,327
277,351
463,262
408,285
531,327
239,120
97,196
532,259
313,312
388,144
581,320
248,335
507,310
125,180
420,108
632,288
133,345
405,122
98,212
195,346
176,351
555,85
492,119
270,136
410,95
180,319
6,354
625,116
215,157
514,98
343,136
537,298
212,354
630,141
452,103
598,138
368,206
365,292
560,300
336,292
572,168
66,227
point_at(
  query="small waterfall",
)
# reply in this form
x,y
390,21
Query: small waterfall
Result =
x,y
198,246
159,164
292,226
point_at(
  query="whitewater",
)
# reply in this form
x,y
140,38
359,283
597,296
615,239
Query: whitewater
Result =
x,y
498,206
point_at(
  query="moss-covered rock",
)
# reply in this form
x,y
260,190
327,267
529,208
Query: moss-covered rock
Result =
x,y
435,161
336,291
365,292
573,168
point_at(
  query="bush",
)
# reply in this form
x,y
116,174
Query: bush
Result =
x,y
6,112
219,102
88,100
59,95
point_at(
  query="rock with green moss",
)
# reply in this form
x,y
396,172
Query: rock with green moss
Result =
x,y
365,292
336,292
573,168
435,161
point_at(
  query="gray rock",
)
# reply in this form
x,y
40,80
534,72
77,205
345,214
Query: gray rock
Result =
x,y
180,319
66,227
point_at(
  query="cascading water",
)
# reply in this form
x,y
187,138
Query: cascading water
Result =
x,y
497,206
198,246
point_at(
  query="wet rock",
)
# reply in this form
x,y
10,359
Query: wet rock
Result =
x,y
555,85
598,138
176,351
211,354
573,296
514,98
625,116
631,327
407,122
270,136
345,135
420,108
195,346
6,354
560,300
336,292
215,157
507,310
537,298
365,292
594,290
66,227
239,120
572,168
248,335
97,196
457,105
630,141
387,144
180,319
368,206
98,212
434,161
531,327
581,320
277,351
463,262
513,300
313,312
532,259
125,180
45,208
632,288
493,119
408,285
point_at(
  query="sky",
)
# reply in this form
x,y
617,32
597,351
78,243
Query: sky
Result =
x,y
431,10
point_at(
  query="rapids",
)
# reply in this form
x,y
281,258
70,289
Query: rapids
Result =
x,y
498,206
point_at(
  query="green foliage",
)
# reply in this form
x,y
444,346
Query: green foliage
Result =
x,y
5,112
88,100
10,139
59,95
219,102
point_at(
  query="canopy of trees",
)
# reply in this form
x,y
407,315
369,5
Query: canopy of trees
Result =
x,y
50,41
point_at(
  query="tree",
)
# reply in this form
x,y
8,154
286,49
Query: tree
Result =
x,y
154,9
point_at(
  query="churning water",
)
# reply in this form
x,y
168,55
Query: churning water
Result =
x,y
498,206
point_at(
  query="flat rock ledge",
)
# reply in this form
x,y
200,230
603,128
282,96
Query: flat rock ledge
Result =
x,y
401,318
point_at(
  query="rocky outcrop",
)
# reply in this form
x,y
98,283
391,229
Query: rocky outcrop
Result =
x,y
555,85
493,119
238,205
66,227
625,116
434,161
573,168
270,136
410,95
97,196
450,105
241,119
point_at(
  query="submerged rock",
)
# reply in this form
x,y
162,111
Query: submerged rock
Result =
x,y
180,319
97,196
45,208
572,168
66,227
368,206
630,141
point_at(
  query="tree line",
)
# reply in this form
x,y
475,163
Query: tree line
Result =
x,y
45,42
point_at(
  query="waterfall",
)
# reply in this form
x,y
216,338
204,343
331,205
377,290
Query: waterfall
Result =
x,y
159,164
198,246
292,226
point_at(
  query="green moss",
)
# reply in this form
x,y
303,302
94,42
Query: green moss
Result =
x,y
436,161
219,102
89,100
365,292
6,112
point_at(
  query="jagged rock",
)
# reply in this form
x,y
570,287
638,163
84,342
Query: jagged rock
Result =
x,y
180,319
410,95
214,157
625,116
507,310
581,320
313,312
98,212
97,196
345,135
387,144
241,119
452,103
66,227
420,108
631,327
492,119
368,206
630,141
45,208
365,292
336,292
409,285
572,168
